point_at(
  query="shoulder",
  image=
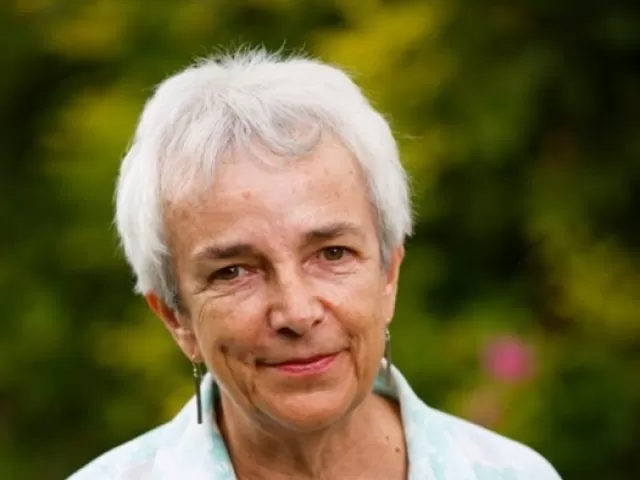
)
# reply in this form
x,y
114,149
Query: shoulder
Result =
x,y
445,446
487,451
130,460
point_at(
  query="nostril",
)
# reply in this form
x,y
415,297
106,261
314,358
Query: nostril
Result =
x,y
288,332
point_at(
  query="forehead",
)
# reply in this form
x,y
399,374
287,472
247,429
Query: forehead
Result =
x,y
279,198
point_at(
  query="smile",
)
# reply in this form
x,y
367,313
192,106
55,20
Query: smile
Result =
x,y
309,366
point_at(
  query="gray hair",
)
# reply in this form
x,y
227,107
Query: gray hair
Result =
x,y
230,101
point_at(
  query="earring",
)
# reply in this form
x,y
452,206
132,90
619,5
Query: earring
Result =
x,y
387,355
197,379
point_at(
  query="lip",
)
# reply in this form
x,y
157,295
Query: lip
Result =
x,y
308,366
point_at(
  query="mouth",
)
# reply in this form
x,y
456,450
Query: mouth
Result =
x,y
306,366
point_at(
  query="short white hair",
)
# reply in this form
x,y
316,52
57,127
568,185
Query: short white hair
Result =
x,y
230,101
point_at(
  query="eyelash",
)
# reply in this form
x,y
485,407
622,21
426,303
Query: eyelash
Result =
x,y
215,275
342,249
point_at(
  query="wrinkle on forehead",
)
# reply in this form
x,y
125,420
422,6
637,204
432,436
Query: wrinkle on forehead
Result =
x,y
249,197
241,173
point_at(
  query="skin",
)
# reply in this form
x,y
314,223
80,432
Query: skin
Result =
x,y
281,263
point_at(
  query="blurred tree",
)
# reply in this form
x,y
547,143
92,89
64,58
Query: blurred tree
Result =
x,y
521,290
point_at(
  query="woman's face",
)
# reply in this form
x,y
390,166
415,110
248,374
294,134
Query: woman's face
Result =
x,y
284,295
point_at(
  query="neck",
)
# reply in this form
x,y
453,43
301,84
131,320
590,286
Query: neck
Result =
x,y
368,437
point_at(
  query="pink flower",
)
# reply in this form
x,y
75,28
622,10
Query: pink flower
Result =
x,y
509,359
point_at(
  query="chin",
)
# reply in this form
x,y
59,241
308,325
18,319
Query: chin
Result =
x,y
312,411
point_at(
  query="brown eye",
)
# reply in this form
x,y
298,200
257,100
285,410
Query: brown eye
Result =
x,y
333,254
227,273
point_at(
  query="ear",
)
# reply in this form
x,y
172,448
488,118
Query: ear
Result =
x,y
391,278
178,325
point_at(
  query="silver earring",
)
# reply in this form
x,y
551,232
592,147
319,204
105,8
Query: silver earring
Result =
x,y
387,354
197,379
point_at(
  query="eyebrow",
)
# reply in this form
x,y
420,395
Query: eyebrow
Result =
x,y
332,231
318,235
226,252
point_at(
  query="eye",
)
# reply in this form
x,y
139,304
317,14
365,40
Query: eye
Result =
x,y
227,273
333,254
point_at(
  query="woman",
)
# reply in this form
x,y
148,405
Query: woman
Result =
x,y
263,209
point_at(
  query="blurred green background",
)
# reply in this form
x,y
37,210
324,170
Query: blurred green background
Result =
x,y
520,297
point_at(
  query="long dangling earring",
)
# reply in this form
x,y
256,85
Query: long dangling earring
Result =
x,y
387,354
197,379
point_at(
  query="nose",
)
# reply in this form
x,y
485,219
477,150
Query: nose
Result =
x,y
295,308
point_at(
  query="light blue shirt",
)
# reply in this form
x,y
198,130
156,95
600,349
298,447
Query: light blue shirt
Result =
x,y
439,447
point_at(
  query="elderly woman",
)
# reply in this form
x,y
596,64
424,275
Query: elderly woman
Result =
x,y
263,209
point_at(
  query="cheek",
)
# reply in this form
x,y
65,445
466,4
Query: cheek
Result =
x,y
228,337
367,350
358,302
230,329
358,305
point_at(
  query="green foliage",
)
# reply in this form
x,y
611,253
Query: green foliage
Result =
x,y
518,122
